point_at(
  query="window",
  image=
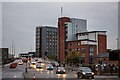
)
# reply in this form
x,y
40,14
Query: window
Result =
x,y
91,49
78,43
83,50
76,26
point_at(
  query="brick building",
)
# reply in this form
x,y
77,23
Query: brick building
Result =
x,y
88,44
67,29
73,36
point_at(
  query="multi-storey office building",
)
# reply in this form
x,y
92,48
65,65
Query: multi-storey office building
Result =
x,y
89,44
46,41
67,29
73,36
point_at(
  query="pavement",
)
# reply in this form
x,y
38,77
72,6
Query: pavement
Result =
x,y
28,75
31,76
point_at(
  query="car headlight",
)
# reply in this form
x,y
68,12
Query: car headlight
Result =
x,y
84,73
58,70
92,73
64,70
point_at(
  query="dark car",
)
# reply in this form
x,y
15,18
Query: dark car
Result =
x,y
85,72
60,70
49,67
55,64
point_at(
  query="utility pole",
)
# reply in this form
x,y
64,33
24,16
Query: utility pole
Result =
x,y
12,49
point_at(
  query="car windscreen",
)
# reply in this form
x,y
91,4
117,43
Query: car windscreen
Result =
x,y
86,69
61,68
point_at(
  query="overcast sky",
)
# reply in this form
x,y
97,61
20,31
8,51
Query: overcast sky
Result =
x,y
19,20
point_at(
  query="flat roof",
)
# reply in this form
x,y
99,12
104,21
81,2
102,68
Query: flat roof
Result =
x,y
90,32
82,40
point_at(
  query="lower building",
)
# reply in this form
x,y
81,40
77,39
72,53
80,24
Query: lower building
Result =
x,y
32,54
88,44
87,51
4,55
104,58
24,55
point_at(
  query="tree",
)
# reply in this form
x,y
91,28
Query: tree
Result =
x,y
73,57
52,57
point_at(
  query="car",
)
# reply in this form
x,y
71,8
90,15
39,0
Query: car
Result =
x,y
49,67
85,72
13,65
20,63
60,70
33,62
24,60
55,64
38,66
40,60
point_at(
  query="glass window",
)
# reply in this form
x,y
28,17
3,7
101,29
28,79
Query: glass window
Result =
x,y
83,50
91,49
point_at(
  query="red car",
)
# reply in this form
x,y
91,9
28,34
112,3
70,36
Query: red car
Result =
x,y
13,65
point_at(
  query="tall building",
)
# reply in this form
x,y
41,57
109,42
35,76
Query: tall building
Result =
x,y
67,29
46,41
73,27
